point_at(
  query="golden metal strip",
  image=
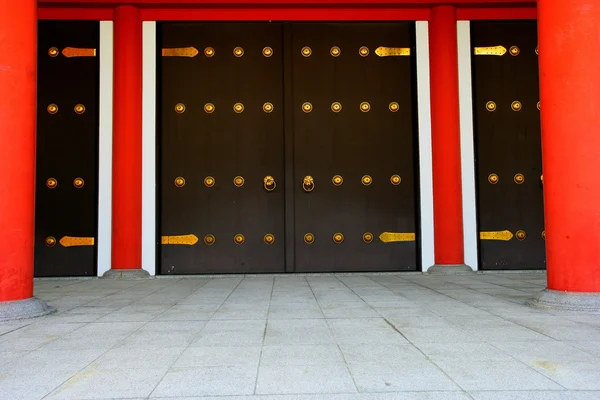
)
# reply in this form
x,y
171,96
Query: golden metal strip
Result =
x,y
70,241
389,237
77,52
392,51
498,235
179,239
490,51
180,52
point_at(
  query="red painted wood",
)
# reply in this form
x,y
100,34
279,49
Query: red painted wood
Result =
x,y
285,14
285,3
445,136
127,140
496,13
18,69
569,39
92,14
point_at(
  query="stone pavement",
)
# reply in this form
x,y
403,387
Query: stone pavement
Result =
x,y
302,337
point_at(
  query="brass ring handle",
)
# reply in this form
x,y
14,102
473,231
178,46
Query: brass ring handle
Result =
x,y
269,183
308,183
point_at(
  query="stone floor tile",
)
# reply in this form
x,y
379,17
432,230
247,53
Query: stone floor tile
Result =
x,y
213,356
312,354
364,331
546,351
411,375
380,353
92,383
496,375
295,311
534,395
134,358
17,386
207,381
298,331
573,375
439,335
296,379
231,333
466,352
348,310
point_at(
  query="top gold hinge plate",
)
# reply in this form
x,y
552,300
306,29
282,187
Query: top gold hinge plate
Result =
x,y
389,237
498,235
392,51
490,51
180,52
78,52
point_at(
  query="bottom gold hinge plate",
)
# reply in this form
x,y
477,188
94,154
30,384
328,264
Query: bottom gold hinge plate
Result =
x,y
389,237
497,235
70,241
189,240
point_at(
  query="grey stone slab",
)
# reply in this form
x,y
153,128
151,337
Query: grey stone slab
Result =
x,y
335,396
466,352
45,361
242,311
535,395
298,331
295,379
380,353
573,375
439,335
348,310
364,331
91,383
592,348
410,375
16,386
301,355
213,356
309,310
496,375
207,381
156,339
8,357
231,332
509,334
546,351
134,358
24,343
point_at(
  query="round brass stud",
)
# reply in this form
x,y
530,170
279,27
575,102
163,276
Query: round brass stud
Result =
x,y
365,106
521,235
51,183
209,181
238,108
367,237
238,181
307,107
395,179
394,106
338,238
490,106
239,239
519,179
267,107
269,238
309,238
78,182
179,181
79,109
536,50
267,52
366,180
363,51
538,105
542,178
544,235
493,179
514,51
516,106
52,51
238,52
306,51
209,108
335,51
50,241
179,108
209,240
209,52
52,108
337,180
336,107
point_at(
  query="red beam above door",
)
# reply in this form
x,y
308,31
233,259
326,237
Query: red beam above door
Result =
x,y
287,3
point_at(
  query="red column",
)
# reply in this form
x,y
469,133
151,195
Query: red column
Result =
x,y
127,140
445,136
18,66
569,40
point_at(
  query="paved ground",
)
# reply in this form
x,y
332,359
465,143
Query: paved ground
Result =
x,y
342,337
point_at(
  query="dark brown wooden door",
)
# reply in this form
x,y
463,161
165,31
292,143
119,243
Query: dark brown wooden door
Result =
x,y
354,131
221,134
66,211
508,146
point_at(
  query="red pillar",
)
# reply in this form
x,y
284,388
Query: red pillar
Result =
x,y
127,141
569,40
18,84
445,135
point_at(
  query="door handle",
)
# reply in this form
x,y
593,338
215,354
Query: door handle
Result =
x,y
269,183
308,183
